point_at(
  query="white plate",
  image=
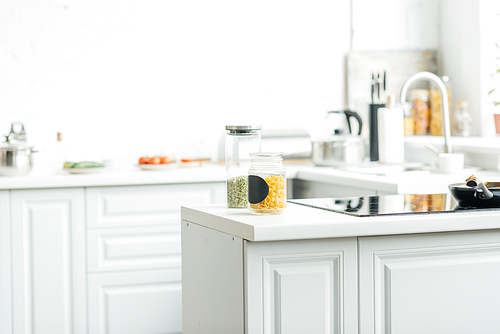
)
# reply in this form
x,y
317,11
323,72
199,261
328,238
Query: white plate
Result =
x,y
159,166
90,170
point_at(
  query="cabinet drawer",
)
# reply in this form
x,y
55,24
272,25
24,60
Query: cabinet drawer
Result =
x,y
134,248
130,303
145,205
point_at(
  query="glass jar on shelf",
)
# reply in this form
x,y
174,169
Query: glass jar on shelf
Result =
x,y
420,111
435,104
240,142
461,119
267,183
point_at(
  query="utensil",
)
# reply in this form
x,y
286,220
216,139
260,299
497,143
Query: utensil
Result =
x,y
476,196
373,88
385,82
378,87
15,154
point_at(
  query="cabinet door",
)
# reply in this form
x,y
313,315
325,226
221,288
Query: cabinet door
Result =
x,y
135,302
131,248
430,283
48,261
5,265
146,205
306,286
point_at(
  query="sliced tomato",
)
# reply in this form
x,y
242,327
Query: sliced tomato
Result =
x,y
165,160
154,161
143,160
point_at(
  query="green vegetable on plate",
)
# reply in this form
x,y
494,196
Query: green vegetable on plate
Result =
x,y
83,164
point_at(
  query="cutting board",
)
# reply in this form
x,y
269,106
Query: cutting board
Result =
x,y
400,65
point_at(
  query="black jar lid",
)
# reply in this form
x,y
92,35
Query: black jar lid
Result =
x,y
243,128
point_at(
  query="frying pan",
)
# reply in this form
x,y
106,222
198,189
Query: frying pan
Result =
x,y
480,196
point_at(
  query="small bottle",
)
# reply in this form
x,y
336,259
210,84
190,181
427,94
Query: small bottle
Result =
x,y
267,183
240,142
461,119
60,153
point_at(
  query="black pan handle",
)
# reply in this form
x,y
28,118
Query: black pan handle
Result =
x,y
480,190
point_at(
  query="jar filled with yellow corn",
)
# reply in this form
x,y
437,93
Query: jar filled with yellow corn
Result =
x,y
267,183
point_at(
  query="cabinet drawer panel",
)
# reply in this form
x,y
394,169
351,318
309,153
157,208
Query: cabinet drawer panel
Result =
x,y
430,283
134,248
48,261
130,303
143,205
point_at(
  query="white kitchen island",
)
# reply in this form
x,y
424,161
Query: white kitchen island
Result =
x,y
315,271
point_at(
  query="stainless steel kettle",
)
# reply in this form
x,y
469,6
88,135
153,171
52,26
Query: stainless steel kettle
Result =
x,y
343,118
342,148
15,154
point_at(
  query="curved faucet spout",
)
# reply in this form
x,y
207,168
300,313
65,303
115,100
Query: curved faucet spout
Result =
x,y
444,98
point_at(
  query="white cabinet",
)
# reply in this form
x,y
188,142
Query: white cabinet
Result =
x,y
430,283
134,255
235,286
135,302
306,286
94,260
48,261
5,265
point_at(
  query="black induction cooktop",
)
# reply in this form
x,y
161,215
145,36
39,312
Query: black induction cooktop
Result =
x,y
370,206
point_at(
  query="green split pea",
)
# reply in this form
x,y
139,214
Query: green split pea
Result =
x,y
237,192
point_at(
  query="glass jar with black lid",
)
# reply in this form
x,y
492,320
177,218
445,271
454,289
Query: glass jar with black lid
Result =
x,y
240,142
267,183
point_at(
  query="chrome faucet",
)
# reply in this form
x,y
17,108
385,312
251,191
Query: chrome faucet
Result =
x,y
444,98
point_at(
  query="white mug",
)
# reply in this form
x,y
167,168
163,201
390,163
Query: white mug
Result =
x,y
450,163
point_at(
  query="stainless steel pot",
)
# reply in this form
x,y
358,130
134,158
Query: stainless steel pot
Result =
x,y
15,155
339,151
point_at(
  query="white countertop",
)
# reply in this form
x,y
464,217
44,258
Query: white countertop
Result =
x,y
396,182
111,177
301,222
410,182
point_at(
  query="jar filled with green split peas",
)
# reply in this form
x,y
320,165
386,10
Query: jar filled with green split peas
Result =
x,y
240,141
267,183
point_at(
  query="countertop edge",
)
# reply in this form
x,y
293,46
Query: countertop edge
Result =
x,y
310,223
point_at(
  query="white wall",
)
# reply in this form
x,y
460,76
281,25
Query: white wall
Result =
x,y
396,25
122,78
468,36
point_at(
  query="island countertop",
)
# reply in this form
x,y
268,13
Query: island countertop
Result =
x,y
301,222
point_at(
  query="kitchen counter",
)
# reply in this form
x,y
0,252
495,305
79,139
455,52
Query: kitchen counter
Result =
x,y
314,271
127,176
410,182
112,177
406,182
300,222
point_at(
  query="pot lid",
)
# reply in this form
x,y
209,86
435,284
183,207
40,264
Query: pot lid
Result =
x,y
13,145
243,128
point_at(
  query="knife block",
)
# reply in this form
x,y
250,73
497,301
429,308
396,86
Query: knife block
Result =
x,y
373,122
